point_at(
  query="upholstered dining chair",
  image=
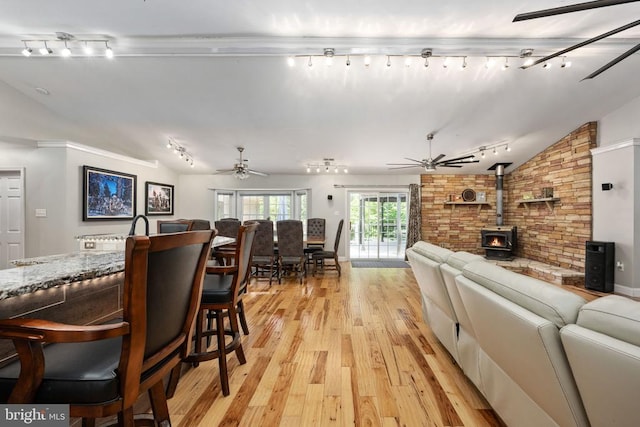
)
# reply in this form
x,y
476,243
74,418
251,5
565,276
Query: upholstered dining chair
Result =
x,y
222,290
315,231
319,257
263,258
290,248
227,227
100,370
174,225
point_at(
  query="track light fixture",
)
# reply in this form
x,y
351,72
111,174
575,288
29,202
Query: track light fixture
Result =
x,y
65,45
180,151
327,165
329,54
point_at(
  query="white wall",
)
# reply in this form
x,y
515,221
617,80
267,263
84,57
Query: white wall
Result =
x,y
53,181
617,213
196,195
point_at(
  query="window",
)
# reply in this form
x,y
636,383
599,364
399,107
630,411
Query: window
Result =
x,y
254,204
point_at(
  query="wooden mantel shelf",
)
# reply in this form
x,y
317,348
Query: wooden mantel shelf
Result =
x,y
479,204
549,201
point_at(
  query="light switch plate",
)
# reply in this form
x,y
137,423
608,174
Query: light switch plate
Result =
x,y
41,213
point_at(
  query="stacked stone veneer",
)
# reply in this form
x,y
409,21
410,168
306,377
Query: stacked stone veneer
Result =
x,y
554,237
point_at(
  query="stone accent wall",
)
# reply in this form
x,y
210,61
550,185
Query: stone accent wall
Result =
x,y
555,238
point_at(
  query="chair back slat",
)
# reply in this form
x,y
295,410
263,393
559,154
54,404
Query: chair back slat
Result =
x,y
336,244
245,240
174,226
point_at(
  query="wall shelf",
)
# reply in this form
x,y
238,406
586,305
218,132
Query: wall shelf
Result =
x,y
478,204
549,201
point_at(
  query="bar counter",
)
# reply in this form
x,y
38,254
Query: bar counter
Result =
x,y
34,274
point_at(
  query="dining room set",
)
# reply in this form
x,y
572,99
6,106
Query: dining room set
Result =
x,y
182,290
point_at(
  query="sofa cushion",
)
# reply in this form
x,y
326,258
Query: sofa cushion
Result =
x,y
431,251
557,305
613,315
458,260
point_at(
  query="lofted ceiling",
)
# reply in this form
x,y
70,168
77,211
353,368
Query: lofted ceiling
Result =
x,y
213,75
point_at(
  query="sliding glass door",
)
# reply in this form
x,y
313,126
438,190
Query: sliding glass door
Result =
x,y
378,224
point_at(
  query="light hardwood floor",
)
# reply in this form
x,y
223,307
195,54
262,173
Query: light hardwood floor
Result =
x,y
348,351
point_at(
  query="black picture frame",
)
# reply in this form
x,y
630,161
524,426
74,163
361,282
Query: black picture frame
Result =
x,y
158,199
107,195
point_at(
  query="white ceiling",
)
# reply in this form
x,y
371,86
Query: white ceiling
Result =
x,y
213,75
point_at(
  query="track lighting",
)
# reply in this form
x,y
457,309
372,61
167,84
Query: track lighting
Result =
x,y
367,60
445,63
328,55
505,66
464,63
495,153
27,51
327,165
547,65
507,148
310,63
565,64
45,50
490,62
348,63
426,62
291,61
180,151
482,152
388,61
108,52
88,50
407,61
66,52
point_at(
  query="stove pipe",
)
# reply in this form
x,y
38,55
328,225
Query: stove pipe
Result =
x,y
499,184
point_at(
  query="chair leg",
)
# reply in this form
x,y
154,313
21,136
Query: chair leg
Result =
x,y
88,422
337,265
159,407
173,380
243,319
125,418
198,344
222,358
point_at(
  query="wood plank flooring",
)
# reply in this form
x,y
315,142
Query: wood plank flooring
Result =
x,y
348,351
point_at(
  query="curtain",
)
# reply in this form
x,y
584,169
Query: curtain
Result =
x,y
415,216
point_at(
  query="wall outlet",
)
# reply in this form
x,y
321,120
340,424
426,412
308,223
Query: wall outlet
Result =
x,y
89,245
620,265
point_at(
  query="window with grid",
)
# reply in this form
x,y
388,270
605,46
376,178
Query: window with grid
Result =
x,y
275,205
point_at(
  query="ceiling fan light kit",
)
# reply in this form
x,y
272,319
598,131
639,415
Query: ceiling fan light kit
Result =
x,y
241,169
431,164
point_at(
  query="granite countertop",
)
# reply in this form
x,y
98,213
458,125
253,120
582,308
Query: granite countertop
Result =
x,y
33,274
48,271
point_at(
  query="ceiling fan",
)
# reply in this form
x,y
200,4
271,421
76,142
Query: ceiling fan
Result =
x,y
577,8
431,164
241,169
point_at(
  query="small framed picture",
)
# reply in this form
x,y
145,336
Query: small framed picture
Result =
x,y
158,199
108,194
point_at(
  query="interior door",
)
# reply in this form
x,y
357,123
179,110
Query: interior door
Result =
x,y
11,217
378,224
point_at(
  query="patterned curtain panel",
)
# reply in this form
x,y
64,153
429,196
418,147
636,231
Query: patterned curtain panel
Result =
x,y
415,216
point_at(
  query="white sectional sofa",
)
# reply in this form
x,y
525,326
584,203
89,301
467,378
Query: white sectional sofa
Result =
x,y
603,348
540,354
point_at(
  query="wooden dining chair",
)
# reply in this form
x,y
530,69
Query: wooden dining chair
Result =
x,y
263,258
100,370
227,227
290,248
223,288
320,257
174,225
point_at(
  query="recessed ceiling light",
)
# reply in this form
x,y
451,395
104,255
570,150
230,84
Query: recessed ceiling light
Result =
x,y
42,91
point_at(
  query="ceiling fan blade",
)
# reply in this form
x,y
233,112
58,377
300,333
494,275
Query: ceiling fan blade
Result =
x,y
568,9
414,160
584,43
438,158
251,171
444,165
464,158
460,162
224,170
613,62
404,164
404,167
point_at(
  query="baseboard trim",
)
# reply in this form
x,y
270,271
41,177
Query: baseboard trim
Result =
x,y
626,290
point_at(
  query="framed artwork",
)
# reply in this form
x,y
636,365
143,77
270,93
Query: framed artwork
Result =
x,y
158,199
108,195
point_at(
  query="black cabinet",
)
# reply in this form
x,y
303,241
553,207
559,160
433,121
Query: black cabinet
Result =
x,y
599,266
